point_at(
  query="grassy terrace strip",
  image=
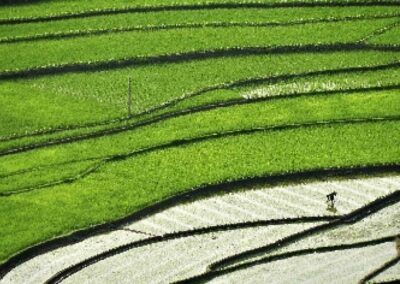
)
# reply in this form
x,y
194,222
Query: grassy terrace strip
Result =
x,y
381,269
389,36
197,193
100,48
35,171
188,56
275,16
197,109
350,218
184,142
196,6
213,274
70,207
36,163
208,107
81,33
381,31
156,85
319,107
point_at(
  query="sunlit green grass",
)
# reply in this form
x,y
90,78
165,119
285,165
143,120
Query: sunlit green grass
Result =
x,y
120,21
124,45
246,116
45,8
102,95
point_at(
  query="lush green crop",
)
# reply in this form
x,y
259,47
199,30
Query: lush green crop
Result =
x,y
392,36
285,111
46,8
102,95
124,21
125,45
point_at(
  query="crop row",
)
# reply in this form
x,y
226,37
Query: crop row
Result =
x,y
313,82
121,49
89,66
381,31
219,24
156,85
127,22
391,36
354,82
165,135
182,142
21,175
195,5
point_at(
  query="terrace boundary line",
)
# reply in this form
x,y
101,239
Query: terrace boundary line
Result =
x,y
90,32
193,7
270,180
189,56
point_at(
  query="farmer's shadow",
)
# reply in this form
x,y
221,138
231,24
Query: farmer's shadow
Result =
x,y
331,208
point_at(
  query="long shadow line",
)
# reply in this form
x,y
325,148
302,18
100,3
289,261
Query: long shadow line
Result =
x,y
380,269
190,56
174,114
194,7
226,85
211,275
352,217
189,141
91,32
198,192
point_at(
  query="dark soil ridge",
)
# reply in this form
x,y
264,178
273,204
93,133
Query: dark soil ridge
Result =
x,y
194,7
276,179
193,140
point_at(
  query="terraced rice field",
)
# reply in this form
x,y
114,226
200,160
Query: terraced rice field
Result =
x,y
242,117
